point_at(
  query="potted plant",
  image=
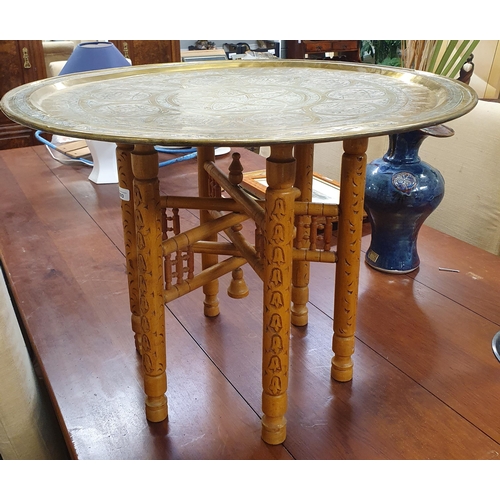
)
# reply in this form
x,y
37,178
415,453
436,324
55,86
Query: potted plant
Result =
x,y
386,52
443,57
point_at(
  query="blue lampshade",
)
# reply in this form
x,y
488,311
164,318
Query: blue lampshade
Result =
x,y
89,56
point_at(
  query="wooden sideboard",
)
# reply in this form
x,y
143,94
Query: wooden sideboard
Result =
x,y
346,50
21,61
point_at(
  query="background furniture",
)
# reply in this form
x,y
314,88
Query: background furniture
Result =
x,y
149,51
21,61
57,51
233,49
344,50
203,55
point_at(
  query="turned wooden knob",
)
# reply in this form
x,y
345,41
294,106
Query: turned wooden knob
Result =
x,y
237,289
235,170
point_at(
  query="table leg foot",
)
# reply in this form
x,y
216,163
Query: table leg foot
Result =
x,y
211,311
273,430
341,372
211,307
156,409
342,364
155,387
300,320
274,421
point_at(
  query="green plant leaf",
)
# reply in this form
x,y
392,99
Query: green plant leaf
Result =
x,y
391,61
385,49
443,57
433,60
458,53
447,53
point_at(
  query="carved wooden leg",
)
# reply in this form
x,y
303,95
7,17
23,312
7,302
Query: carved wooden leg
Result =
x,y
238,288
278,245
150,279
304,154
125,185
211,290
350,226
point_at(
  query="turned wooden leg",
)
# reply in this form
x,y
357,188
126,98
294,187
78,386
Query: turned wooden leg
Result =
x,y
278,245
125,186
350,227
304,154
211,290
150,279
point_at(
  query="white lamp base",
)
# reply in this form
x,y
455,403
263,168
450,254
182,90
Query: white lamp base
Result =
x,y
104,159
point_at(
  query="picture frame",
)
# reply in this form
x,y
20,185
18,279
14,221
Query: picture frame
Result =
x,y
325,190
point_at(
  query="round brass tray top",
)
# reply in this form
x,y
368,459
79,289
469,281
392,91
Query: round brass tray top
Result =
x,y
238,102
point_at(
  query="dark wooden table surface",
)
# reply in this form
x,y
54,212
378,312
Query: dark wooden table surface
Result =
x,y
426,384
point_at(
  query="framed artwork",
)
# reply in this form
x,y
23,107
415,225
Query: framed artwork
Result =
x,y
325,190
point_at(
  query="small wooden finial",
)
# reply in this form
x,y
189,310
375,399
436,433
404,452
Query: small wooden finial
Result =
x,y
237,288
235,170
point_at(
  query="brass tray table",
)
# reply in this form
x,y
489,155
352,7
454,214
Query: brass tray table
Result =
x,y
287,105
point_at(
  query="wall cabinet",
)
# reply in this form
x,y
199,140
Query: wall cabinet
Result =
x,y
21,61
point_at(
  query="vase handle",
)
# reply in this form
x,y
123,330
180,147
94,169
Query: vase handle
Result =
x,y
438,131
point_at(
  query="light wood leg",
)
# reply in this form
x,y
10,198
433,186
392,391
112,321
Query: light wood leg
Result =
x,y
211,290
304,154
125,183
150,279
350,227
278,245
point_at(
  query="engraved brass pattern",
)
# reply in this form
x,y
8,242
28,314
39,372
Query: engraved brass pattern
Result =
x,y
238,103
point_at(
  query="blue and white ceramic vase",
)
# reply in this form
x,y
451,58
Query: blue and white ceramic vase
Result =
x,y
401,192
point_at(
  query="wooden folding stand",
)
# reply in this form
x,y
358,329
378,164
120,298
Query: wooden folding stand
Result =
x,y
160,257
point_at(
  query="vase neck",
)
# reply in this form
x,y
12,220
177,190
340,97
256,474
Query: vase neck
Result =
x,y
403,148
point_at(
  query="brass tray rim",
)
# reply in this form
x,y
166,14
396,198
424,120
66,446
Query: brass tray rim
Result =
x,y
469,98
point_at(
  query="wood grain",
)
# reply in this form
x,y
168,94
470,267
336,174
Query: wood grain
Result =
x,y
425,382
21,61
